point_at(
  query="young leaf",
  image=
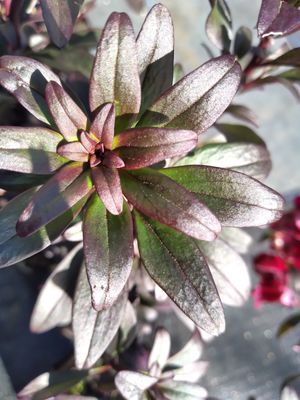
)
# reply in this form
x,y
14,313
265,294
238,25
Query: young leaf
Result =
x,y
29,150
115,77
242,41
251,159
198,99
175,262
67,115
38,241
132,385
238,239
229,271
235,198
103,125
140,148
60,18
155,47
161,198
160,350
182,390
26,79
189,373
93,331
219,25
69,185
54,303
108,249
190,353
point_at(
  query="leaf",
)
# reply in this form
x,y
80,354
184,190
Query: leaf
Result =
x,y
190,353
235,198
188,373
251,159
155,48
29,150
115,76
161,198
242,41
52,383
26,79
103,125
33,244
292,75
60,18
229,271
239,133
68,186
160,351
288,324
93,331
174,261
219,25
140,148
73,151
67,115
132,385
198,99
237,238
289,393
128,327
108,186
243,113
290,58
182,390
54,303
277,79
108,250
18,182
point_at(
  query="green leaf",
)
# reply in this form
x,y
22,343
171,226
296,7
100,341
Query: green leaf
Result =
x,y
242,41
68,186
292,75
155,47
219,25
18,182
161,198
26,79
239,133
93,331
60,18
174,261
33,244
29,150
108,249
198,99
291,58
132,384
251,159
115,77
54,303
235,198
288,324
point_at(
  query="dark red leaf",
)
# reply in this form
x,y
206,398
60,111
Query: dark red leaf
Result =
x,y
104,124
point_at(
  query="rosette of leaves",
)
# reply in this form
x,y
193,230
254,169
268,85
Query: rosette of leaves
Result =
x,y
105,161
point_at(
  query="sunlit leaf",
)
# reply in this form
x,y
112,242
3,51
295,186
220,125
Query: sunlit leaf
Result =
x,y
29,150
198,99
239,133
191,352
115,77
161,198
93,331
54,303
133,384
174,261
108,249
219,25
182,391
235,198
26,79
103,125
160,350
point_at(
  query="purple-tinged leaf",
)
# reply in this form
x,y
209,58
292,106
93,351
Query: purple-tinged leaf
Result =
x,y
229,271
251,159
29,150
243,113
197,100
104,124
219,25
235,198
242,41
111,160
26,79
174,262
140,148
38,241
132,385
160,352
155,47
182,390
93,331
239,133
54,303
115,77
108,186
68,186
60,17
67,115
88,142
190,353
277,18
161,198
108,250
74,151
